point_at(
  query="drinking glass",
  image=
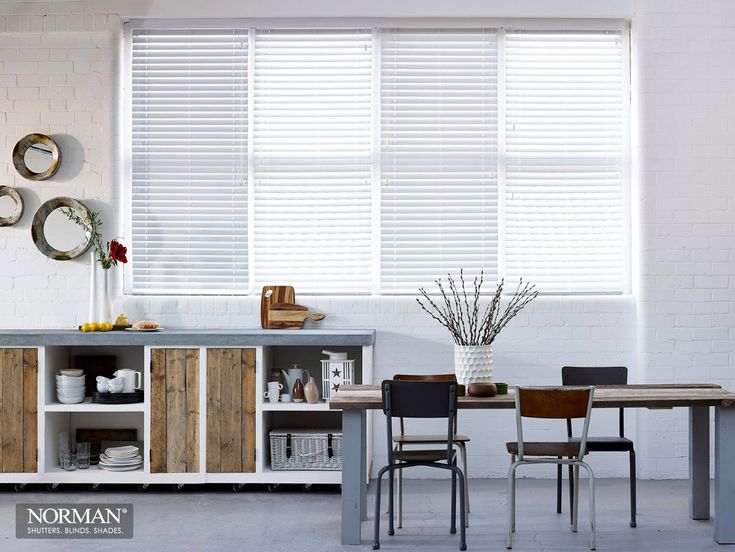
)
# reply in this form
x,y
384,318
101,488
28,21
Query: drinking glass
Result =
x,y
63,445
69,461
83,455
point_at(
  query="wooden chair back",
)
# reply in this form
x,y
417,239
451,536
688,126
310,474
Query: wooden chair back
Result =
x,y
554,402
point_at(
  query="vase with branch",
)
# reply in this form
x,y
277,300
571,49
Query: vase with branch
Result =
x,y
107,254
474,327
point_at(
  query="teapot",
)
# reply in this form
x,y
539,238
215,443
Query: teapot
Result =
x,y
294,373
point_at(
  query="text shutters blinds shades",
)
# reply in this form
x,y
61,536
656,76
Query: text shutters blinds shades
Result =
x,y
312,159
438,149
565,125
189,161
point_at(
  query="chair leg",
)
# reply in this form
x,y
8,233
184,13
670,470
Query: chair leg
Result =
x,y
591,475
391,477
571,494
558,487
462,509
632,489
400,493
575,515
511,502
453,521
463,450
376,532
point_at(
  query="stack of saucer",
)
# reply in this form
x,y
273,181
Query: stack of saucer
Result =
x,y
70,386
125,458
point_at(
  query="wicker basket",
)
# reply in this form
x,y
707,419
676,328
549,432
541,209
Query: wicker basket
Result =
x,y
306,449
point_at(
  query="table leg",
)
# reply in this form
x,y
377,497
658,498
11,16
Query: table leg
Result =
x,y
699,462
353,474
363,467
724,474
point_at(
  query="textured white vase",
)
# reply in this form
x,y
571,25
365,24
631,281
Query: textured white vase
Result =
x,y
473,363
105,301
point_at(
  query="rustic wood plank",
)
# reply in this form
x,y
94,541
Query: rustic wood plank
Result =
x,y
641,396
248,410
158,442
2,411
230,428
176,410
12,410
214,410
30,407
192,410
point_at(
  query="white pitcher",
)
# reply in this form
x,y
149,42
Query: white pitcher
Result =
x,y
294,373
133,379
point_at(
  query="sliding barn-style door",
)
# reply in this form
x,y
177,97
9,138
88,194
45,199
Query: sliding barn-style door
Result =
x,y
230,410
174,410
18,410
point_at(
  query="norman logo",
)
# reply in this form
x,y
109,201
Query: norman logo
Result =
x,y
74,521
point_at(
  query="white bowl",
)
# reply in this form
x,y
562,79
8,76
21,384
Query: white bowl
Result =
x,y
70,378
70,395
65,400
70,392
65,383
74,372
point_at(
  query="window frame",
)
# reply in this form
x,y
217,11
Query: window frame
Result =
x,y
124,133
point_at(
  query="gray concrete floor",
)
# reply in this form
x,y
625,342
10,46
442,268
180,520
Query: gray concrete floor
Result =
x,y
213,519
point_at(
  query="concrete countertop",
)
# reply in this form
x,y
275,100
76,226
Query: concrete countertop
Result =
x,y
191,338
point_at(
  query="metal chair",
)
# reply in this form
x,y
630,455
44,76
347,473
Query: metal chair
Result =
x,y
404,440
552,403
603,375
421,399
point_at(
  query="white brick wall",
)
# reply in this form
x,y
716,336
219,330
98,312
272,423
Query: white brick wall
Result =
x,y
57,63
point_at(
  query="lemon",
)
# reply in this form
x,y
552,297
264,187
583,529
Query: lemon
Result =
x,y
105,326
86,327
93,326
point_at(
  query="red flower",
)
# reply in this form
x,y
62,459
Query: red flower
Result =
x,y
118,252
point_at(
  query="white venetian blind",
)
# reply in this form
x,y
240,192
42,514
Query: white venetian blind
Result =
x,y
565,125
438,149
189,161
312,159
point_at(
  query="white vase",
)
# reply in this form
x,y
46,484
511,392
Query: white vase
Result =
x,y
473,363
105,301
92,315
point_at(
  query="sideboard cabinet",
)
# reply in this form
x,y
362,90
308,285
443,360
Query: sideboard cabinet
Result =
x,y
203,418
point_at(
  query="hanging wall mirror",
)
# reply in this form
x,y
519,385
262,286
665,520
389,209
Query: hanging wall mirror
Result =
x,y
11,206
36,157
55,235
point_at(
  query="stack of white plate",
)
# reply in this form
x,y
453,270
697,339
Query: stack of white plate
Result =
x,y
125,458
70,386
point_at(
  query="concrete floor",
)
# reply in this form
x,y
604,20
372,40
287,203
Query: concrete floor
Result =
x,y
215,518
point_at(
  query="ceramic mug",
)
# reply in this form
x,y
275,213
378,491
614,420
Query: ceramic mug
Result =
x,y
102,382
116,385
271,396
133,379
286,398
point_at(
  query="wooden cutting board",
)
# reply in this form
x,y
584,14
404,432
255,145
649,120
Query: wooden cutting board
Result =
x,y
284,315
278,294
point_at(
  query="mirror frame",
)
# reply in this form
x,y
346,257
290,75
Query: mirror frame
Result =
x,y
39,220
13,194
19,152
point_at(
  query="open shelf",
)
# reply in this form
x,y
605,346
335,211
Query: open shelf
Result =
x,y
302,476
94,474
89,406
295,407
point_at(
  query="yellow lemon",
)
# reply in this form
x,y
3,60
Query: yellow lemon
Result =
x,y
93,326
86,327
105,326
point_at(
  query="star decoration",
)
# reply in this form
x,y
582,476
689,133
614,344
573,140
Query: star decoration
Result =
x,y
335,387
336,373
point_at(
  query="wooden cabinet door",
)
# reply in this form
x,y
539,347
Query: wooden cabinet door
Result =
x,y
174,410
18,410
230,410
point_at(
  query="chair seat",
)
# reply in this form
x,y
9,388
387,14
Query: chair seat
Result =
x,y
608,444
548,448
428,439
433,455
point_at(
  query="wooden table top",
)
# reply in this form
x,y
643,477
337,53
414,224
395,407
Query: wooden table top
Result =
x,y
365,397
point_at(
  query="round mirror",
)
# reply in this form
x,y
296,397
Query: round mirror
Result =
x,y
55,234
36,157
11,206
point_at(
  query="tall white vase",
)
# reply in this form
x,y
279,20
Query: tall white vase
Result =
x,y
92,315
473,363
105,301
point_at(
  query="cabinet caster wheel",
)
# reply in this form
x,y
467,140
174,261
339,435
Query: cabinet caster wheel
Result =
x,y
142,487
94,487
51,487
306,487
18,487
237,487
177,487
272,487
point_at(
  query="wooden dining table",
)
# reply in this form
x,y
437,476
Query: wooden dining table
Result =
x,y
356,400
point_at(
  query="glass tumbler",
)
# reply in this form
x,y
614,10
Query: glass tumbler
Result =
x,y
69,461
83,455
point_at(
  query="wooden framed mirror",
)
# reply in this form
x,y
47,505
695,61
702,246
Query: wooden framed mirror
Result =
x,y
36,157
11,206
55,235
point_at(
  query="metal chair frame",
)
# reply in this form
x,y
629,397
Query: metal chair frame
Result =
x,y
576,462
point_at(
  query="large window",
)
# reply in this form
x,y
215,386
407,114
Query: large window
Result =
x,y
374,160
